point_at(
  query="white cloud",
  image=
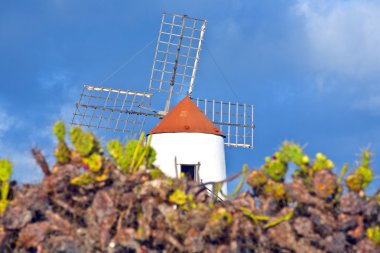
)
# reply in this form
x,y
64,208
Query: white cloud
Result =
x,y
343,36
343,48
66,112
58,78
24,166
6,122
372,103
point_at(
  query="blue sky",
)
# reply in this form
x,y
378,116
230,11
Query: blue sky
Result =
x,y
311,68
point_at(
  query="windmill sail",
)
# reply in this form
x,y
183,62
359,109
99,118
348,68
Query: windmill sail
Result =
x,y
174,69
117,110
177,54
235,120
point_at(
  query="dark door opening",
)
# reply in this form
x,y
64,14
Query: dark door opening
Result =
x,y
188,170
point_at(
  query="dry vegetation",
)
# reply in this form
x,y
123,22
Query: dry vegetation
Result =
x,y
91,202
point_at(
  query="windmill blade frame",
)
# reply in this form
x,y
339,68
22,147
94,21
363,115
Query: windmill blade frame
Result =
x,y
174,69
235,120
176,58
112,109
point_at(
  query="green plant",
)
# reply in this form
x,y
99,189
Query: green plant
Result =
x,y
354,182
83,179
135,153
183,200
254,217
257,179
364,170
156,173
5,170
238,187
134,147
275,169
97,147
59,130
89,152
148,154
290,152
363,174
275,189
61,152
5,174
277,166
123,162
128,159
138,153
178,197
115,149
94,162
83,142
321,162
220,214
280,220
373,233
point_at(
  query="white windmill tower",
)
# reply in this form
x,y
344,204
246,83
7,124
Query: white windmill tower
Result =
x,y
187,137
191,136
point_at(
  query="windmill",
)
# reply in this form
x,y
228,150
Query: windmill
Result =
x,y
175,65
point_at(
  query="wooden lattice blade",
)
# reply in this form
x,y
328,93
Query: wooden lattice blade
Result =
x,y
177,54
117,110
235,120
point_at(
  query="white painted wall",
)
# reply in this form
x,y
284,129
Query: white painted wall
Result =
x,y
191,148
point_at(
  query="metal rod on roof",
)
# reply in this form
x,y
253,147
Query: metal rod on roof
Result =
x,y
244,134
205,112
221,115
188,56
229,121
237,121
197,59
252,125
172,81
213,110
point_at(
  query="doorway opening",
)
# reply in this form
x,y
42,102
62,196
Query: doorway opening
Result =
x,y
189,171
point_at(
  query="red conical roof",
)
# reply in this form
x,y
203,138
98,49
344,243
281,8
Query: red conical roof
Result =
x,y
186,117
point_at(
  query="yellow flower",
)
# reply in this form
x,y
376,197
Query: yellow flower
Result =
x,y
320,156
330,164
178,197
305,159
